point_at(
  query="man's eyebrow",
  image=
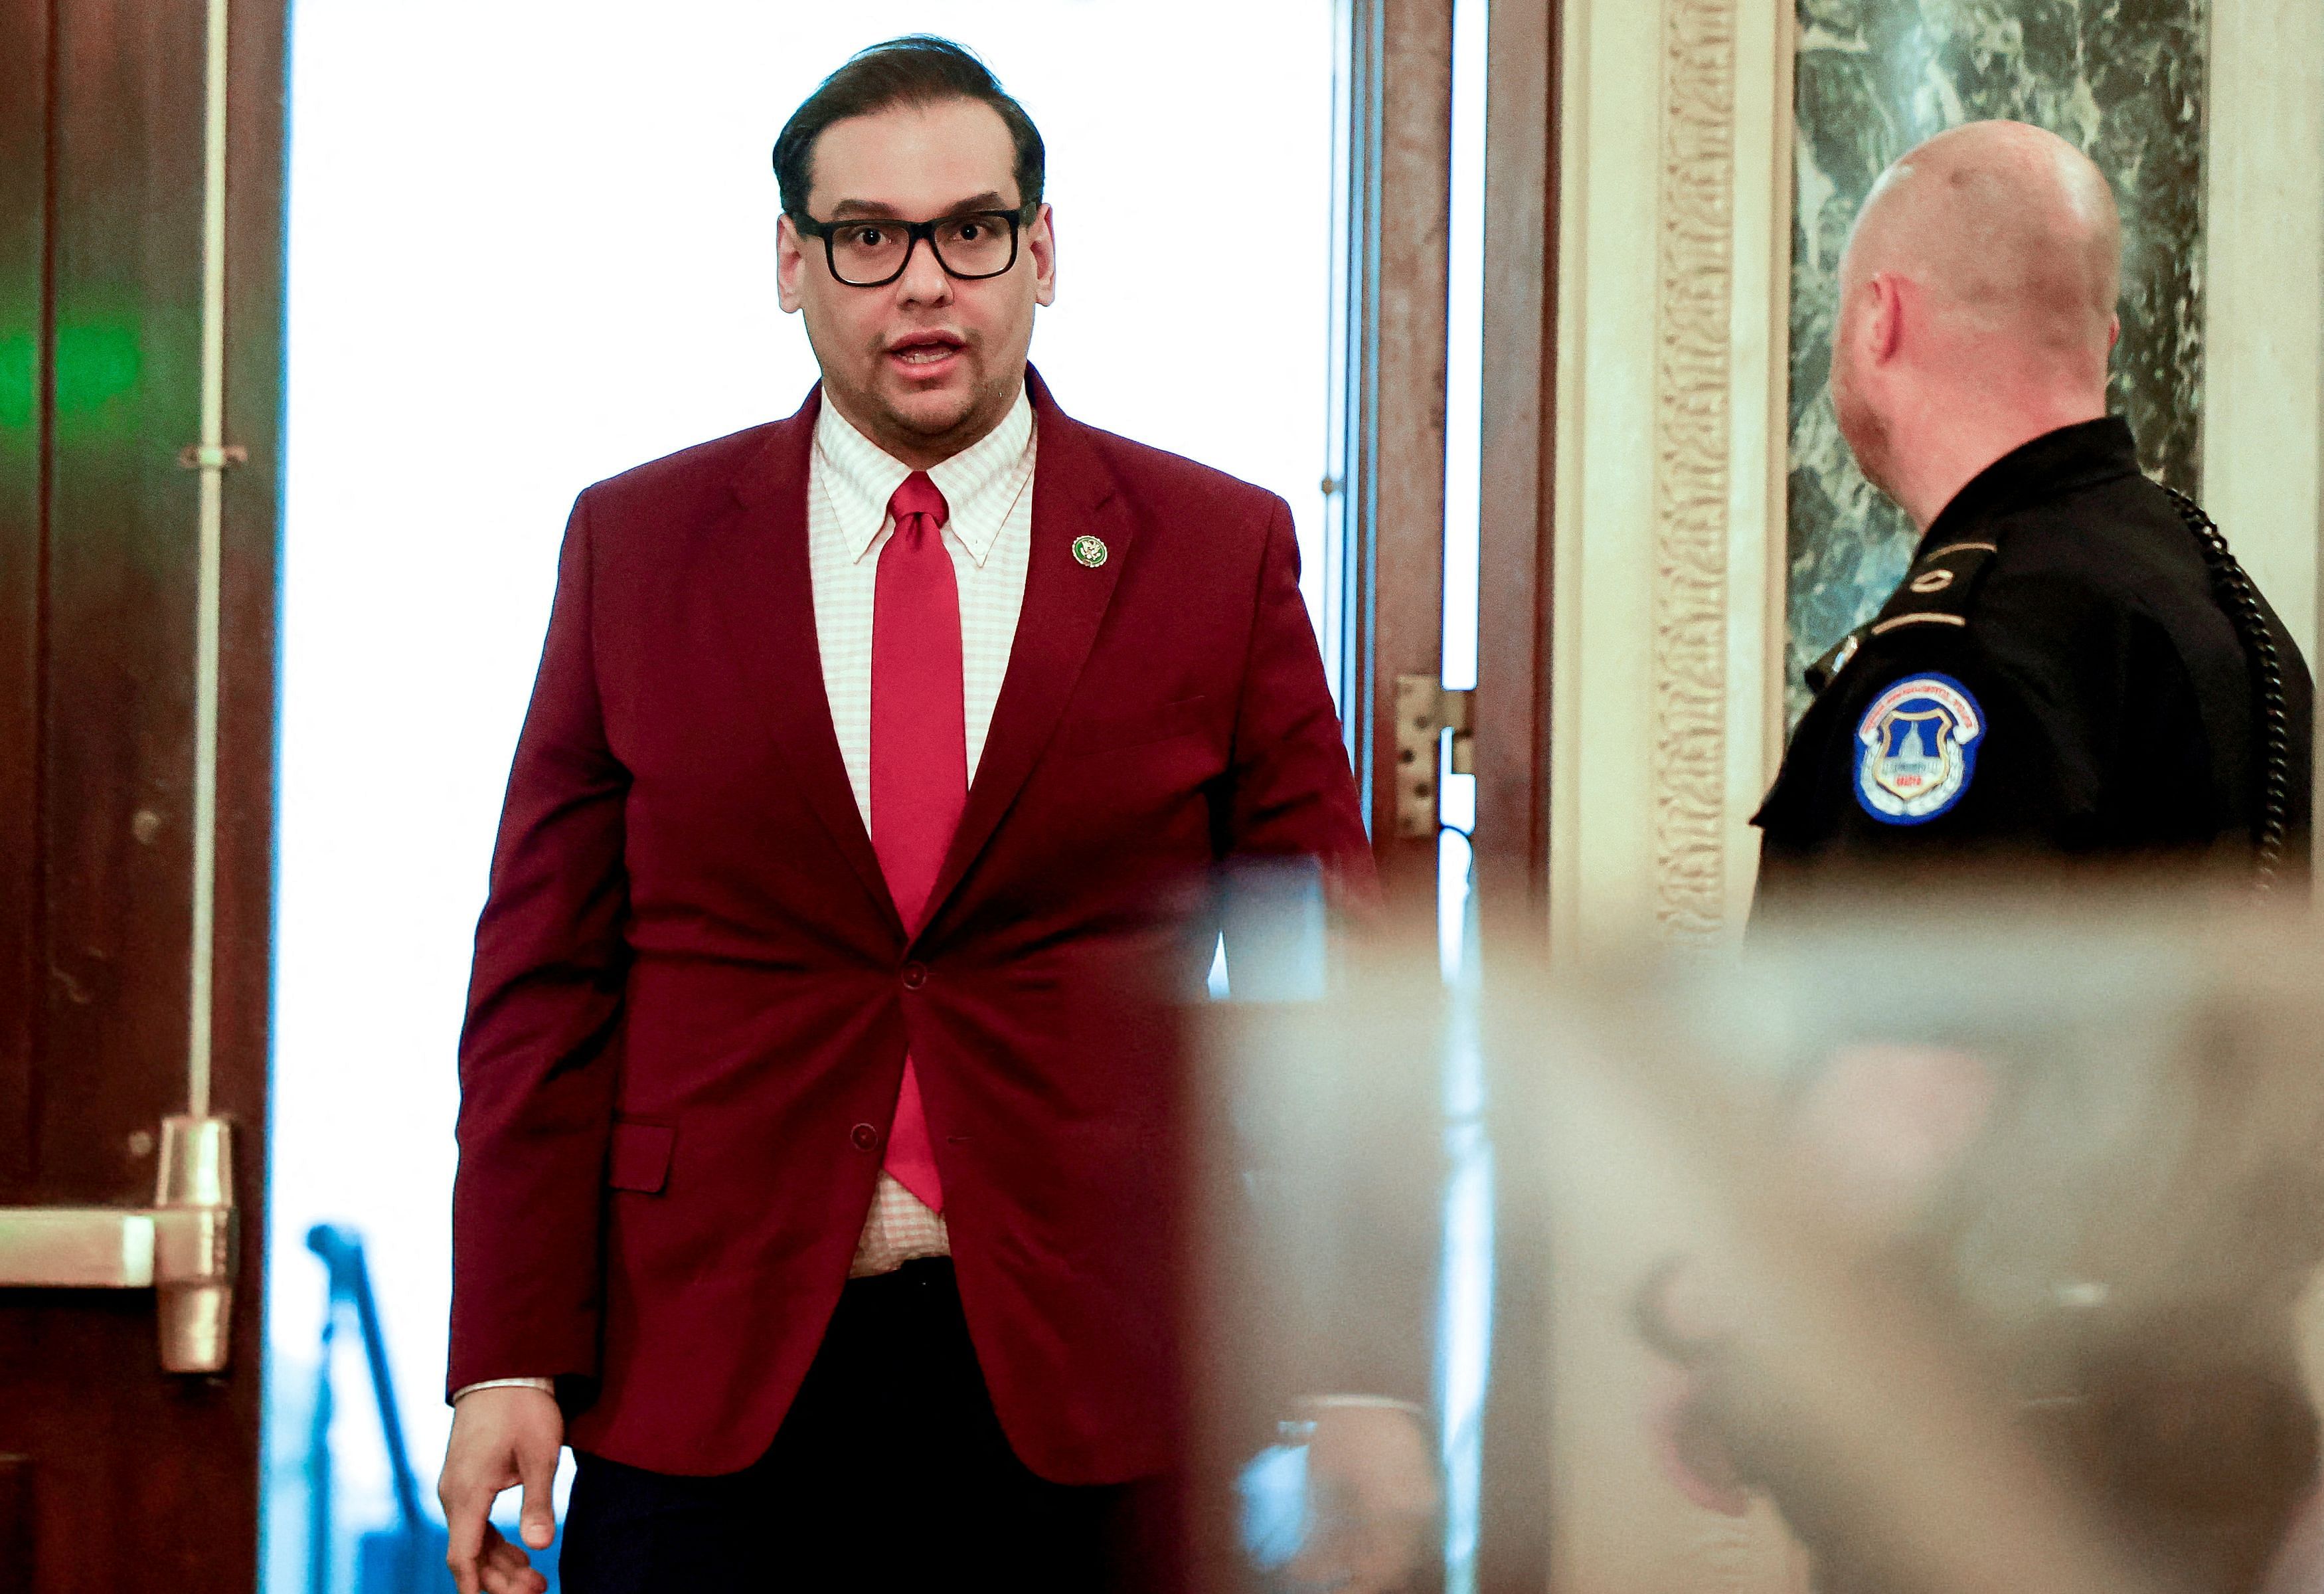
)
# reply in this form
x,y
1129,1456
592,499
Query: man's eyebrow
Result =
x,y
990,200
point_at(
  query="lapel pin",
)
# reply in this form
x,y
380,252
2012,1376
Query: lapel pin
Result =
x,y
1089,551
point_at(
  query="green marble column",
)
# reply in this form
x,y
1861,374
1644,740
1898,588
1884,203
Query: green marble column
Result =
x,y
2121,78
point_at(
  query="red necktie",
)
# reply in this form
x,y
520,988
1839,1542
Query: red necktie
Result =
x,y
919,754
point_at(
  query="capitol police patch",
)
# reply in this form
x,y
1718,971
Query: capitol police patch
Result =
x,y
1916,749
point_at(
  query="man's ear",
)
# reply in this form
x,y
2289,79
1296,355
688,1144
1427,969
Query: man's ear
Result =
x,y
790,263
1884,317
1041,242
2114,334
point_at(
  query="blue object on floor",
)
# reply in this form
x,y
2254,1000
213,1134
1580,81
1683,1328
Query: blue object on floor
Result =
x,y
409,1557
391,1561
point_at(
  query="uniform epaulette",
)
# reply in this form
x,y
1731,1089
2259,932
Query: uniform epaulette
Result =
x,y
1821,674
1938,590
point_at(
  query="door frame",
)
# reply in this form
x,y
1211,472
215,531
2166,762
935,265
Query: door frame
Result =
x,y
1516,545
1386,592
1384,610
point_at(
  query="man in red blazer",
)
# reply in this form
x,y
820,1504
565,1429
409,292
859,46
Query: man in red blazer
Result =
x,y
816,1164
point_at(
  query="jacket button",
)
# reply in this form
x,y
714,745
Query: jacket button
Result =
x,y
916,975
864,1136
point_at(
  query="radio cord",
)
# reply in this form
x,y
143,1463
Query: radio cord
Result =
x,y
2235,594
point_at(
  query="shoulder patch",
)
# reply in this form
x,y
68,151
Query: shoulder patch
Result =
x,y
1937,591
1916,749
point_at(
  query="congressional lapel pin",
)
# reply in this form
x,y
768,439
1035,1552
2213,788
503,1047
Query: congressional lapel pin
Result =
x,y
1916,749
1089,551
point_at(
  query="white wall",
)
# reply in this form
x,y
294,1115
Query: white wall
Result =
x,y
2264,297
2263,334
530,246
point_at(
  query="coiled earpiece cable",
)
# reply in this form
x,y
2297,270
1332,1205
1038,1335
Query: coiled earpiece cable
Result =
x,y
2236,594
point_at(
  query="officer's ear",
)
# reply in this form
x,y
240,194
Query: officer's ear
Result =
x,y
2114,334
1883,318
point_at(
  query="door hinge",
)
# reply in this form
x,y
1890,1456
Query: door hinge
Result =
x,y
1425,710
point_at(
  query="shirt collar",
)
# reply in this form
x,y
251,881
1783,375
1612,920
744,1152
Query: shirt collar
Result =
x,y
980,484
2052,464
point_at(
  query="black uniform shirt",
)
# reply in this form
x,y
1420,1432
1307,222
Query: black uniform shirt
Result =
x,y
2054,678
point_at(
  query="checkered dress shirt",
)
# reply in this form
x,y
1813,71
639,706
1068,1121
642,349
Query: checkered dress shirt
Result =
x,y
987,492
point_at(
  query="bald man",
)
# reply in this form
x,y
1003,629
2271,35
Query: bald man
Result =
x,y
2066,678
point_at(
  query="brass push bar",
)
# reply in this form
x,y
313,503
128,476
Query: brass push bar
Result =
x,y
183,1247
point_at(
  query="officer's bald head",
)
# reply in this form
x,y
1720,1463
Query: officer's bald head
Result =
x,y
2005,225
1983,276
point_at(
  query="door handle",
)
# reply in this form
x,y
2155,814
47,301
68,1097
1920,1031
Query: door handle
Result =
x,y
185,1248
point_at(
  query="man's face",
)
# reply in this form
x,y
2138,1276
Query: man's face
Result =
x,y
928,364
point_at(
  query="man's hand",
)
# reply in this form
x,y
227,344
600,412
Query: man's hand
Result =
x,y
500,1438
1881,1125
1372,1491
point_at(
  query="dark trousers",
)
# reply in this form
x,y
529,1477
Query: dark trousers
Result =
x,y
890,1471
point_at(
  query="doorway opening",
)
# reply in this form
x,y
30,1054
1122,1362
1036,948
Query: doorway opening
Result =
x,y
530,246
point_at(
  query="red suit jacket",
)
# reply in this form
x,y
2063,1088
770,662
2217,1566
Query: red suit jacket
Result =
x,y
692,995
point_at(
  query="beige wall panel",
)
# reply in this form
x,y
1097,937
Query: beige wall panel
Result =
x,y
2263,334
1599,824
1759,382
2264,341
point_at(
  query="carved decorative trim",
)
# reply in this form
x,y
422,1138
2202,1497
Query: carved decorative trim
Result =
x,y
1694,320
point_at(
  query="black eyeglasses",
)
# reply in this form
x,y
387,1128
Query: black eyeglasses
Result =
x,y
873,252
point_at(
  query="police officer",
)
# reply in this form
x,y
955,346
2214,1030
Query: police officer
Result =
x,y
2074,668
2074,676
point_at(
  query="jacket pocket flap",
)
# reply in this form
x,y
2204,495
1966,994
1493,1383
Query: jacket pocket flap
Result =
x,y
641,1155
1115,731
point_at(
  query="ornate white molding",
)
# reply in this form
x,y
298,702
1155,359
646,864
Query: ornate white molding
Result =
x,y
1673,284
1674,295
1693,434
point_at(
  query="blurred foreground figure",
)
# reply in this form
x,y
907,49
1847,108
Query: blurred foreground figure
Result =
x,y
2074,668
1971,1247
1316,1244
2053,1201
819,1104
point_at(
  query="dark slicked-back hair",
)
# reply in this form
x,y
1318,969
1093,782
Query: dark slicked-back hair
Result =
x,y
917,69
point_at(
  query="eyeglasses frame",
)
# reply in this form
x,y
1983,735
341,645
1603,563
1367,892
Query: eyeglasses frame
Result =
x,y
916,232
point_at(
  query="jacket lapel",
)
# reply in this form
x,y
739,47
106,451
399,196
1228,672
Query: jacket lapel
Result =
x,y
766,595
1074,496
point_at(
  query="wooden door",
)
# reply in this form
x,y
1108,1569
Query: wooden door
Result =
x,y
1511,718
113,1474
1391,468
1510,725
